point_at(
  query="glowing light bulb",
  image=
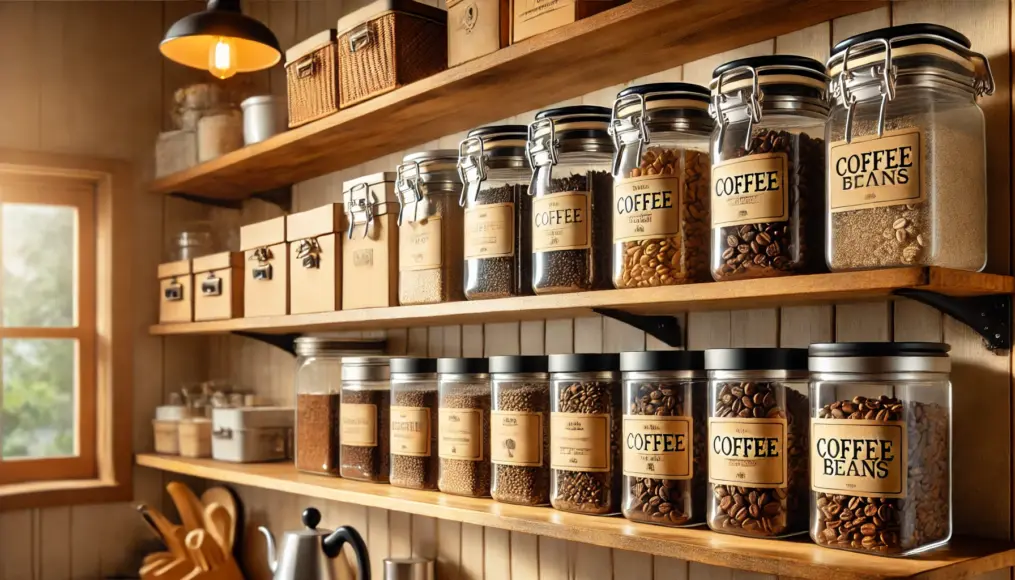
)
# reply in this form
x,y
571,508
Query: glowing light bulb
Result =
x,y
222,57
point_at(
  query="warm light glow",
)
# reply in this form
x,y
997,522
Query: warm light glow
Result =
x,y
222,57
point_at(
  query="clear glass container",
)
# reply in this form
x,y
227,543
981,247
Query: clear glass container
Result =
x,y
906,156
365,419
414,404
520,430
881,446
757,441
661,185
585,420
768,167
464,426
665,431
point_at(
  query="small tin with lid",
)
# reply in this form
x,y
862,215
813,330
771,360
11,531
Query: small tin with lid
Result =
x,y
365,418
520,429
414,423
370,250
464,426
408,569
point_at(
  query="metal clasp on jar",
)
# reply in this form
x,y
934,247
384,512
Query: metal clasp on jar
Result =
x,y
545,149
361,205
471,167
750,101
885,74
404,186
632,123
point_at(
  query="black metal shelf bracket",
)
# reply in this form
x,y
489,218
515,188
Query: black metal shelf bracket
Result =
x,y
281,197
286,342
664,328
990,316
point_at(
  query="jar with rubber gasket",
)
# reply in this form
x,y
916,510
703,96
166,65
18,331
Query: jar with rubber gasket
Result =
x,y
497,240
768,167
907,174
661,185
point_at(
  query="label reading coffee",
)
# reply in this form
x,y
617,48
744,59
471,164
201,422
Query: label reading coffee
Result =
x,y
560,221
461,434
358,424
516,438
658,447
858,457
410,431
490,231
579,442
876,171
747,452
645,208
420,245
750,190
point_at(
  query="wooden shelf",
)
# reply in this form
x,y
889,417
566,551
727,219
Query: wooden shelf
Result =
x,y
799,558
613,47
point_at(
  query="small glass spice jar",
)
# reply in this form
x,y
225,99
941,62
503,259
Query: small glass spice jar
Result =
x,y
414,399
768,166
364,418
464,426
661,181
880,447
520,430
665,432
757,441
585,419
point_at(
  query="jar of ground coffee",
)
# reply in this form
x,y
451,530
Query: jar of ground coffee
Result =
x,y
365,418
520,430
414,423
464,426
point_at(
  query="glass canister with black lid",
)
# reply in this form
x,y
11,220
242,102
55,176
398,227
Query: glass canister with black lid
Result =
x,y
520,429
365,418
464,426
414,405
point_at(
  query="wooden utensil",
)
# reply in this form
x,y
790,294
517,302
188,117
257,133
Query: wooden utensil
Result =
x,y
188,504
224,497
195,545
219,526
170,532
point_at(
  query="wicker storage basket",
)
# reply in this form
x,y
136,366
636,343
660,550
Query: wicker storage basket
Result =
x,y
311,71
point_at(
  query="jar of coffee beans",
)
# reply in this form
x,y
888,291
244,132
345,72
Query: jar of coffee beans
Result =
x,y
665,429
364,418
907,162
585,418
498,212
520,430
464,426
661,180
768,166
414,423
429,228
757,441
571,154
880,446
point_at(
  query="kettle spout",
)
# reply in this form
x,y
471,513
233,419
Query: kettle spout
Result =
x,y
272,561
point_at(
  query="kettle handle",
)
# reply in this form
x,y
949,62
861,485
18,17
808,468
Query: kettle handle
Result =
x,y
333,545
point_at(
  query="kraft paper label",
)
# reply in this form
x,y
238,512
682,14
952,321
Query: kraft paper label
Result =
x,y
358,424
747,452
750,190
526,10
419,245
460,435
658,447
580,442
859,457
560,221
645,208
490,231
410,431
516,438
876,172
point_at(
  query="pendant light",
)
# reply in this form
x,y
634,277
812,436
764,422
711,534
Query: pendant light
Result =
x,y
222,41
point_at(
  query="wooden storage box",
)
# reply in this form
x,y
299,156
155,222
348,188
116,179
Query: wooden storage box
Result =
x,y
534,16
315,246
266,268
311,72
218,286
176,298
370,251
477,28
195,438
387,44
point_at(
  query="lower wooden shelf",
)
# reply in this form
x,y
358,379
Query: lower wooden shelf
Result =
x,y
963,557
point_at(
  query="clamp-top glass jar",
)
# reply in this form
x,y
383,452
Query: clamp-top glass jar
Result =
x,y
906,156
768,166
661,181
498,242
571,154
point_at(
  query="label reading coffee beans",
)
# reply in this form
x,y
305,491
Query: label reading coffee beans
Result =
x,y
658,447
750,190
420,245
358,425
560,221
645,208
410,431
490,231
747,452
876,171
859,457
579,442
460,434
516,438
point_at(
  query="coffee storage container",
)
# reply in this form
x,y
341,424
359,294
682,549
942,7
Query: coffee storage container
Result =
x,y
664,437
586,411
263,117
906,156
532,17
757,441
176,292
477,28
880,446
660,189
266,288
429,228
370,248
768,166
365,423
218,286
315,252
520,430
251,434
571,154
311,71
195,437
498,212
414,410
464,426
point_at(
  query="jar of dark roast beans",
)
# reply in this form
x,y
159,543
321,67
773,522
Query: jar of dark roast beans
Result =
x,y
665,429
414,423
757,441
880,446
585,419
768,166
520,430
464,426
364,418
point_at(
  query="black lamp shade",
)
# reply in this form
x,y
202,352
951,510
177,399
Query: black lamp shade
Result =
x,y
189,41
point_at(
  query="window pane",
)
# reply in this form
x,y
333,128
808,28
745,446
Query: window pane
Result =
x,y
38,264
39,398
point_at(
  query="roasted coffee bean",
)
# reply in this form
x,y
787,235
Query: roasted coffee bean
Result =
x,y
369,463
462,476
521,484
503,276
584,491
413,471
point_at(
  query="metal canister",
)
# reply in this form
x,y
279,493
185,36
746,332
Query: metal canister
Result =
x,y
408,569
263,116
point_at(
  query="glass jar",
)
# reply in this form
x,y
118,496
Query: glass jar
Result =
x,y
585,419
757,441
906,156
661,180
464,426
571,154
881,446
520,430
498,212
665,429
768,166
364,418
429,228
414,423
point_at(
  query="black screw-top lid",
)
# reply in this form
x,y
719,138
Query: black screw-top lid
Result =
x,y
854,349
665,88
519,364
579,112
663,360
585,362
756,359
413,365
462,366
504,130
906,30
774,60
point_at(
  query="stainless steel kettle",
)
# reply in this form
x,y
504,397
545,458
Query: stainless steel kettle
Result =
x,y
309,554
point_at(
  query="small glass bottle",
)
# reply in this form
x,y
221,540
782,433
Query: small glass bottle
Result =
x,y
366,400
414,404
520,430
464,426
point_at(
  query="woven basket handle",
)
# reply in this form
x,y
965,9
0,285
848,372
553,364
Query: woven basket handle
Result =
x,y
359,37
305,68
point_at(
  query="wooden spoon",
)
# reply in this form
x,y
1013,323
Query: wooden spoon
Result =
x,y
187,503
219,525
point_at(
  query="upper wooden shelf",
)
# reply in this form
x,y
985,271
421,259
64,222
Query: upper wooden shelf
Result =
x,y
636,39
